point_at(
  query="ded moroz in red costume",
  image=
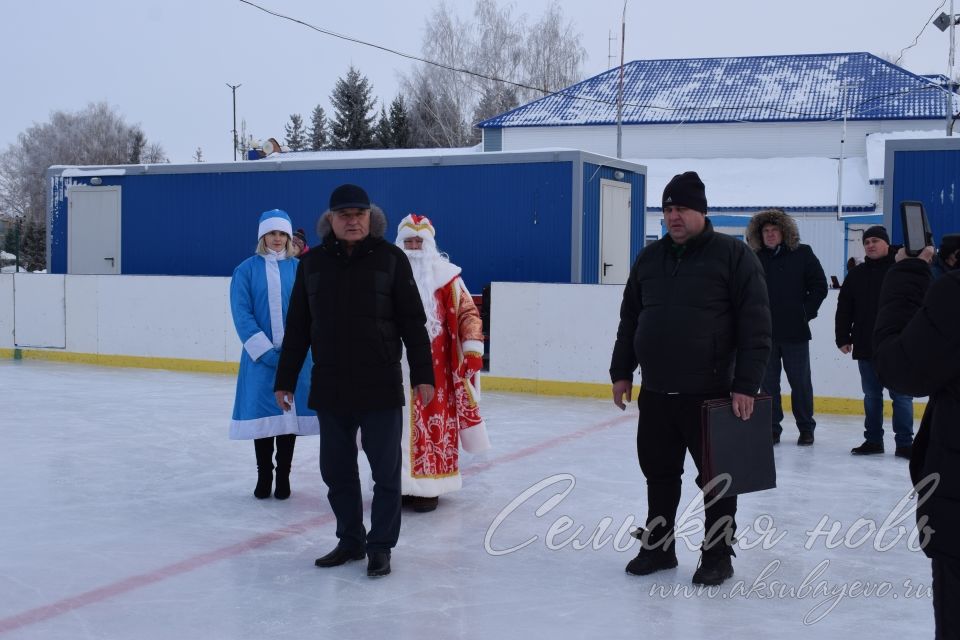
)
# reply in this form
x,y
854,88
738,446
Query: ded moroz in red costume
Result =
x,y
433,435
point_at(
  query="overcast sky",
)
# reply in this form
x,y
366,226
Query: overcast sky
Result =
x,y
165,63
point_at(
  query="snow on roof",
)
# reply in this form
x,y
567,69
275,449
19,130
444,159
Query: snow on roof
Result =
x,y
372,153
751,183
876,152
755,89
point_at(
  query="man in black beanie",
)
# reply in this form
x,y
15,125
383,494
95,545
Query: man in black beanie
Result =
x,y
696,318
354,300
948,256
857,306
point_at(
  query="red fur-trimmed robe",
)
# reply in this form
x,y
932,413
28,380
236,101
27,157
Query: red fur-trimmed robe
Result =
x,y
431,448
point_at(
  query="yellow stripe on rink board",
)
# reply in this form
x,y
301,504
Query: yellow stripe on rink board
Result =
x,y
138,362
842,406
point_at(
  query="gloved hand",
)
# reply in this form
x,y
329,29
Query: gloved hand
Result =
x,y
271,358
472,363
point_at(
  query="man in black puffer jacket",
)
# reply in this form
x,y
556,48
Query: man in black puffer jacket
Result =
x,y
917,351
796,286
353,301
695,317
857,307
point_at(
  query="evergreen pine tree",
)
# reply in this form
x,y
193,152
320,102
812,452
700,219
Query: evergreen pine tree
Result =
x,y
318,129
399,127
10,238
352,126
382,133
33,246
296,136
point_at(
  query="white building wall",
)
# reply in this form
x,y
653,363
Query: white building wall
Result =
x,y
726,140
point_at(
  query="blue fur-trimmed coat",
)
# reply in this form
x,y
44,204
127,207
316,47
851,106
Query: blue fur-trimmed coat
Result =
x,y
259,298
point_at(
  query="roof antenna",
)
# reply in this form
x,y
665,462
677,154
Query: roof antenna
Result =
x,y
623,35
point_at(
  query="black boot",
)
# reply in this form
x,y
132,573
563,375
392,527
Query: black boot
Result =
x,y
285,445
650,560
378,563
264,450
715,566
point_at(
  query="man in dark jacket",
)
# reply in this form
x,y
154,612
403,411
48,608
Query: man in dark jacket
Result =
x,y
695,317
917,352
796,286
948,257
857,307
353,301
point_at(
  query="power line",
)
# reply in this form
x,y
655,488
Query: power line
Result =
x,y
917,39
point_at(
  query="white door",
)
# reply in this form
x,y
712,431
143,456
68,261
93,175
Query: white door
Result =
x,y
93,230
614,232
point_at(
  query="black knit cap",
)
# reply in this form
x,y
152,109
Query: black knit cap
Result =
x,y
349,196
950,243
686,190
876,231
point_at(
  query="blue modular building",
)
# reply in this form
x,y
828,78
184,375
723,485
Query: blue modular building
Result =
x,y
554,215
928,170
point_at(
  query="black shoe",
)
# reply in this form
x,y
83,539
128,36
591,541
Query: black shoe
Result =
x,y
378,563
776,438
340,555
904,451
715,567
424,505
264,484
651,561
867,448
805,439
282,490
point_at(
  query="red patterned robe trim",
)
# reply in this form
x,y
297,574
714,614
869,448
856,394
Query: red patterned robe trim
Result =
x,y
431,449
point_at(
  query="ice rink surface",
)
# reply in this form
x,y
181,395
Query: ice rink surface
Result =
x,y
127,513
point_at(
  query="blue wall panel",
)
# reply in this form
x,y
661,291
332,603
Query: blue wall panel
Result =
x,y
590,254
508,222
932,177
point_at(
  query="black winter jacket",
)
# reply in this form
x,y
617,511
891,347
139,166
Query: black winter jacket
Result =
x,y
857,305
698,323
353,311
796,286
917,352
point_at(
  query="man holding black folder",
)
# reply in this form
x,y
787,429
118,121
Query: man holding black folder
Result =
x,y
696,318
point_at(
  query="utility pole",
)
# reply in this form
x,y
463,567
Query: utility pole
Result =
x,y
953,26
16,263
623,36
843,137
233,88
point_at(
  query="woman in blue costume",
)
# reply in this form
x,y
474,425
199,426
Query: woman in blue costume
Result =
x,y
259,297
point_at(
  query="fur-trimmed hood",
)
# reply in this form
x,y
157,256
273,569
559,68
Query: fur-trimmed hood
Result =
x,y
378,223
788,227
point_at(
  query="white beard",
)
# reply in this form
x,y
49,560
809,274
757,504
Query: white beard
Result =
x,y
422,261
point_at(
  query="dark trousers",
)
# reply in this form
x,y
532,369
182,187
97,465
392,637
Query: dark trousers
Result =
x,y
669,426
380,438
795,357
873,408
946,594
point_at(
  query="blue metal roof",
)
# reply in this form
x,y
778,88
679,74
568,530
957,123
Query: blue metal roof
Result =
x,y
752,89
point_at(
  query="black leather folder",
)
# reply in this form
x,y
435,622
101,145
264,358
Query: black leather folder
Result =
x,y
741,448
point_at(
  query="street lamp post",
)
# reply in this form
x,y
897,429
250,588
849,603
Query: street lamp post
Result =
x,y
234,87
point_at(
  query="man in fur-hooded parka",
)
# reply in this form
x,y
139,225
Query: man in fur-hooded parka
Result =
x,y
797,287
